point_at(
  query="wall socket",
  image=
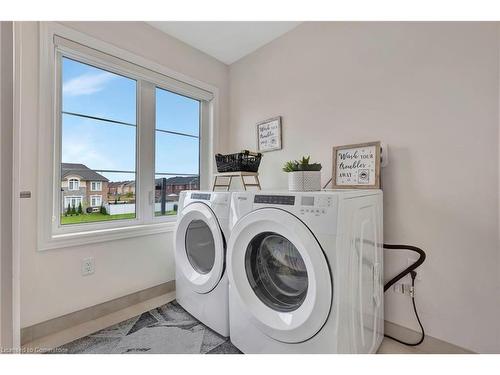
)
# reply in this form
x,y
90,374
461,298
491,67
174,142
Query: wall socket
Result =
x,y
402,289
88,266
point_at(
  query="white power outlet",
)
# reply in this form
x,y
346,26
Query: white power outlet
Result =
x,y
88,267
402,289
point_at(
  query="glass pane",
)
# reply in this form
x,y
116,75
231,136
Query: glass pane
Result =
x,y
176,154
200,246
98,144
276,271
115,201
91,91
167,189
177,113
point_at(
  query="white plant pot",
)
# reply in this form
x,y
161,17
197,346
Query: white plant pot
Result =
x,y
304,181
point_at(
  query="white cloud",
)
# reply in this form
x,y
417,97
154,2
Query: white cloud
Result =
x,y
85,148
87,84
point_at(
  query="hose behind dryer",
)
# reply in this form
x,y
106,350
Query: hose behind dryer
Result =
x,y
413,274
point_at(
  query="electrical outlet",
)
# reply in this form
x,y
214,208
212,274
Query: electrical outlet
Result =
x,y
88,267
402,289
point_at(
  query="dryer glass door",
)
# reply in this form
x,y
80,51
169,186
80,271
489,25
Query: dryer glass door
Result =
x,y
278,272
200,247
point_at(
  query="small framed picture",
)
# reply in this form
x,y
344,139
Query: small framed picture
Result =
x,y
356,166
269,135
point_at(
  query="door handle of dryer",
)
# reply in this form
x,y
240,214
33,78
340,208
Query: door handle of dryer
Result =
x,y
376,283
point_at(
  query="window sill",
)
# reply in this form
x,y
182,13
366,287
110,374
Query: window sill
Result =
x,y
57,241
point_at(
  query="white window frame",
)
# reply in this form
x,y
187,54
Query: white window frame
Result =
x,y
200,127
95,185
95,196
57,40
71,184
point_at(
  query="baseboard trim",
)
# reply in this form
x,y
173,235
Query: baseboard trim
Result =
x,y
431,345
61,323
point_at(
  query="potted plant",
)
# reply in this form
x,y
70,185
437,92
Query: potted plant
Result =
x,y
303,176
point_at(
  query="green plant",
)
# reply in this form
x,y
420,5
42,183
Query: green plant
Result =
x,y
73,210
68,210
80,208
103,210
301,165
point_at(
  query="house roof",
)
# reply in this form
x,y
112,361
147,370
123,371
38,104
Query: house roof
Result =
x,y
179,180
121,183
81,170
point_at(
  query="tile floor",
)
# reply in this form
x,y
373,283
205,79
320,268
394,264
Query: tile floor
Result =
x,y
147,328
166,329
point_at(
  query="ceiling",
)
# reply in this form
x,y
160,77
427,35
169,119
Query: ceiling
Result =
x,y
226,41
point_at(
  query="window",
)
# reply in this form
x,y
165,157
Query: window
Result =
x,y
96,200
98,137
96,186
73,184
102,118
177,149
72,202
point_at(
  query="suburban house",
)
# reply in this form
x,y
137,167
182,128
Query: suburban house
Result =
x,y
121,187
80,184
174,185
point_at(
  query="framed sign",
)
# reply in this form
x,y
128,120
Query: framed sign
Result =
x,y
269,135
356,166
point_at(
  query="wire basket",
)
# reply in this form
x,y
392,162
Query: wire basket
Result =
x,y
244,161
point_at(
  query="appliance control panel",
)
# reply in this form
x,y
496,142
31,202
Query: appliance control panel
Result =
x,y
288,200
212,199
201,196
315,205
310,205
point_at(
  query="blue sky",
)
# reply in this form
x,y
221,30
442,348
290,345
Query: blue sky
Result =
x,y
103,145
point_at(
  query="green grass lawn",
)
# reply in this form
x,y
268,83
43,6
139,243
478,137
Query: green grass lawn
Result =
x,y
90,218
172,212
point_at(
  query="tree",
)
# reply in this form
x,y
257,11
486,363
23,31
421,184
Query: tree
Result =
x,y
103,210
68,210
73,210
80,209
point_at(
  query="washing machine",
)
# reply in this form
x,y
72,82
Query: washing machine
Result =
x,y
200,242
305,271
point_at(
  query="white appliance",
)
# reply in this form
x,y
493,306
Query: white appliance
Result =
x,y
305,272
200,257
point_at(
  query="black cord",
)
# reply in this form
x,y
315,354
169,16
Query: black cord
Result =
x,y
413,274
410,268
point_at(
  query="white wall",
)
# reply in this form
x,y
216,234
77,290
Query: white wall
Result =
x,y
430,91
51,284
6,334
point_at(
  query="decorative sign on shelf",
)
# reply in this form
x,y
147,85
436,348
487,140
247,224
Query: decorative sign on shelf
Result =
x,y
356,166
269,134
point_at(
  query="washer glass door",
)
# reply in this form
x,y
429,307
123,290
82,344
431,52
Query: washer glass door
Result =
x,y
279,275
276,271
